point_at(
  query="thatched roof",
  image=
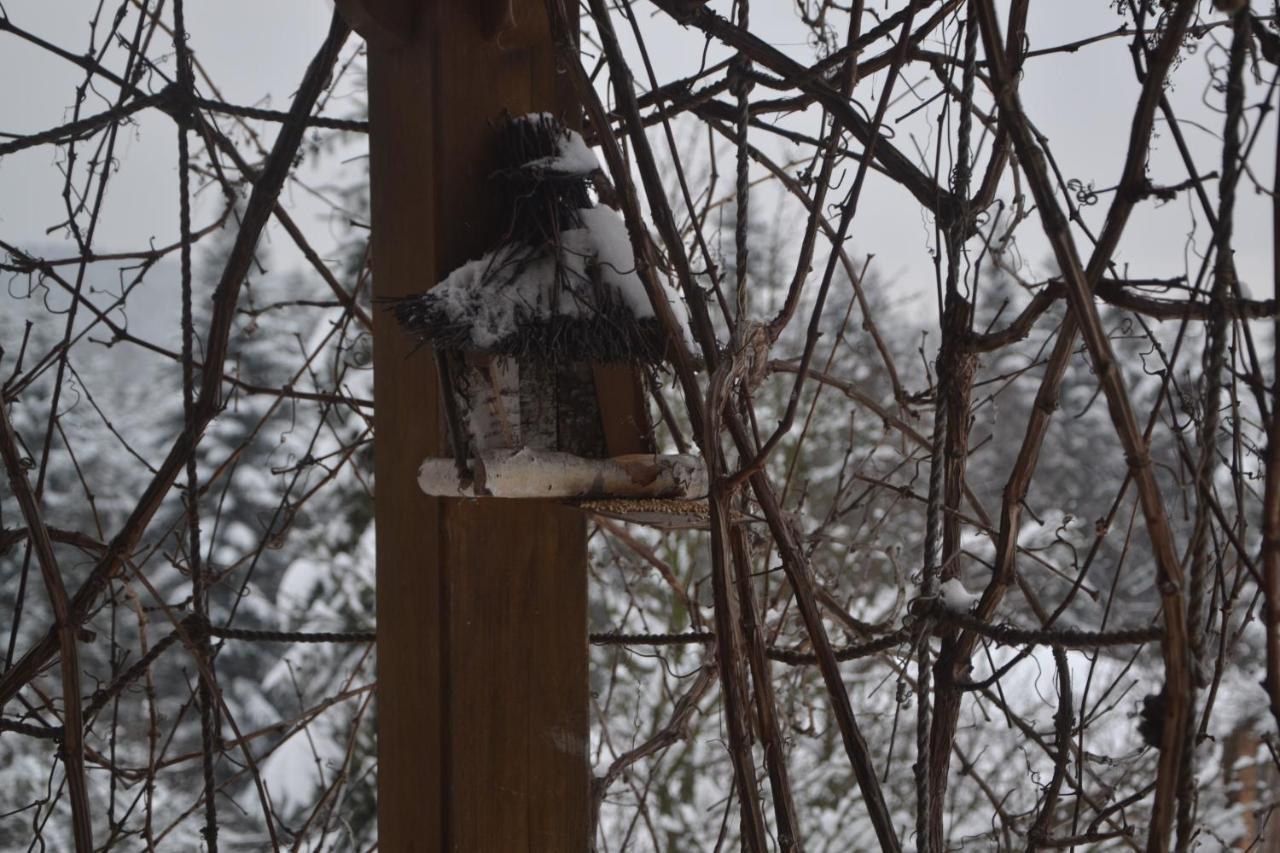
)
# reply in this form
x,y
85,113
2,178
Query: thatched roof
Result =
x,y
563,285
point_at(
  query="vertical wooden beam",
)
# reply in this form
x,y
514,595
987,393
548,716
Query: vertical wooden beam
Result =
x,y
482,649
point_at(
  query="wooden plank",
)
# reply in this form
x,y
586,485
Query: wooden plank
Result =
x,y
620,394
482,646
411,674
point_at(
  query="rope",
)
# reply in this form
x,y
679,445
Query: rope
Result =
x,y
615,638
1067,638
210,724
740,86
85,125
276,115
939,615
795,657
168,100
31,729
265,636
130,675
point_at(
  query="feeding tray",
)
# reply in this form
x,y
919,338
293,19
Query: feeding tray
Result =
x,y
662,513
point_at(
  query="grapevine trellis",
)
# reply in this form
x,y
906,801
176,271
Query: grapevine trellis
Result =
x,y
1040,542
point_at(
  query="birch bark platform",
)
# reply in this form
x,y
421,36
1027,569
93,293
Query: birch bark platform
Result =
x,y
657,490
532,473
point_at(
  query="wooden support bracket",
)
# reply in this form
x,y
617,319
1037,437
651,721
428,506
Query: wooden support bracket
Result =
x,y
385,24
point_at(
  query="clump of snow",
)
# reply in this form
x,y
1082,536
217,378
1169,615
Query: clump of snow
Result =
x,y
574,158
299,583
516,284
618,265
955,597
509,285
293,770
1052,526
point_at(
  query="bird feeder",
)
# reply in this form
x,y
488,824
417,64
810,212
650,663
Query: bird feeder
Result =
x,y
518,332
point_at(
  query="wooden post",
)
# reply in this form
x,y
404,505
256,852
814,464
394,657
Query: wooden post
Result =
x,y
482,647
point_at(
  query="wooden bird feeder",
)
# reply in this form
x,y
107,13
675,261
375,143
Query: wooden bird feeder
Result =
x,y
519,332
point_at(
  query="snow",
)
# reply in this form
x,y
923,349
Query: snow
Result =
x,y
493,292
299,583
956,597
1052,526
293,770
516,284
608,236
618,266
575,158
1241,701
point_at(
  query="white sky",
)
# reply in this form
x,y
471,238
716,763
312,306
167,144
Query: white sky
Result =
x,y
258,64
1082,102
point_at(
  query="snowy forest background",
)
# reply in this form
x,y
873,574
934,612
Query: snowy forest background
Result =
x,y
93,384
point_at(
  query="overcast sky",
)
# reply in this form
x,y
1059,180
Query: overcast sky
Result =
x,y
1083,103
257,51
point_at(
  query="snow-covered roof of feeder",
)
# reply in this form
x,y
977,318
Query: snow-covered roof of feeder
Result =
x,y
563,284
